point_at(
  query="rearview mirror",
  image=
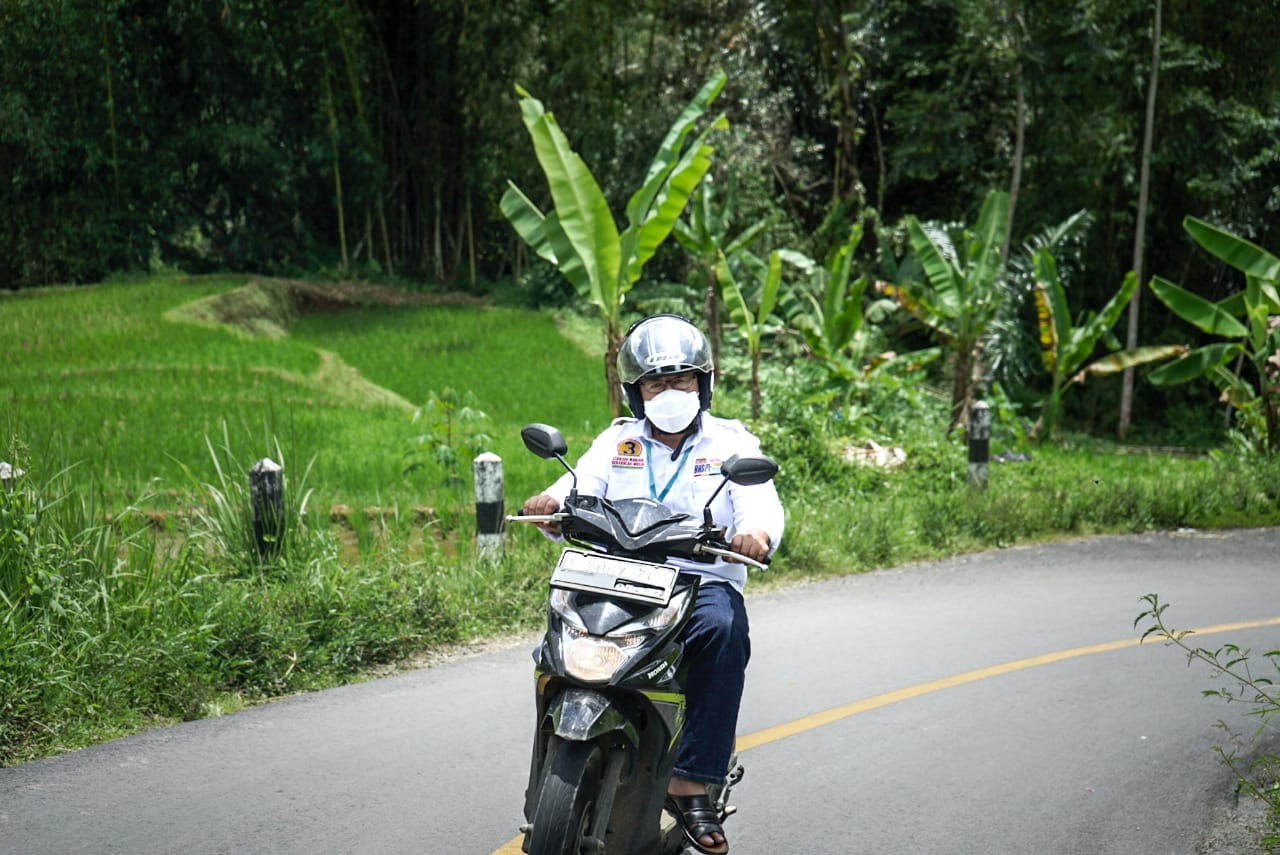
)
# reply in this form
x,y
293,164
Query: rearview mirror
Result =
x,y
748,471
544,441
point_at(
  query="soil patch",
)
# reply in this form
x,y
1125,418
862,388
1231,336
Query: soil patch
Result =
x,y
264,307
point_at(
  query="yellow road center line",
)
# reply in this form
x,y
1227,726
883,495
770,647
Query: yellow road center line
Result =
x,y
829,716
834,714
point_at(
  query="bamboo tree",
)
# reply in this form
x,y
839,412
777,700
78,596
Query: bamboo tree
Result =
x,y
332,112
1139,236
1014,25
111,105
353,82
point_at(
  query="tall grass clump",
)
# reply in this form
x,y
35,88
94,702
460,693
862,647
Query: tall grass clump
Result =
x,y
97,629
113,622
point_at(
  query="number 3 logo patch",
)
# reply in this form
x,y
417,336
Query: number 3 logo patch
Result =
x,y
629,456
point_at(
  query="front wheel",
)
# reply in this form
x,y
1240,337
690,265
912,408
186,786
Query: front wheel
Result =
x,y
570,791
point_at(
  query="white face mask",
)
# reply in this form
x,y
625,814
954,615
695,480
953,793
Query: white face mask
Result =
x,y
672,410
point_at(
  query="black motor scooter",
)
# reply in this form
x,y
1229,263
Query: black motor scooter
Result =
x,y
609,673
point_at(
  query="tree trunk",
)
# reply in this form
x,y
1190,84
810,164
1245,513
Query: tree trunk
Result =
x,y
755,385
612,346
712,309
960,385
1139,238
1272,414
111,107
337,167
1020,129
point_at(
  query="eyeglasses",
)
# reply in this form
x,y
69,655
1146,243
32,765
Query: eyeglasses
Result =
x,y
684,382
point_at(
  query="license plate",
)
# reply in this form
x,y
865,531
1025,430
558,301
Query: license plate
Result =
x,y
618,577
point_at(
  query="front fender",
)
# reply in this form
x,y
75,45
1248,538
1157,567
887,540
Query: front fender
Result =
x,y
582,715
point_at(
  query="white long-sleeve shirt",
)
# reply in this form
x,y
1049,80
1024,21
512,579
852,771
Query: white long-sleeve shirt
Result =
x,y
626,462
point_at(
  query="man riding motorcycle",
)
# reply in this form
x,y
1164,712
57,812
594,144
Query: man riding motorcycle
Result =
x,y
671,452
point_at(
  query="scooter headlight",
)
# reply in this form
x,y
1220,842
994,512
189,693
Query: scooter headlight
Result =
x,y
595,658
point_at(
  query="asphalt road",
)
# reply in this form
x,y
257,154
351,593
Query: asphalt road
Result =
x,y
995,703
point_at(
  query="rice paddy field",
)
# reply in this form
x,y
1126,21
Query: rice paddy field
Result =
x,y
144,385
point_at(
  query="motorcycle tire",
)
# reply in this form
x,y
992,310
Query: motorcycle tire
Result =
x,y
570,791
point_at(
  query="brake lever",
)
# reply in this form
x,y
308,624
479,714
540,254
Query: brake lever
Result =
x,y
558,516
704,549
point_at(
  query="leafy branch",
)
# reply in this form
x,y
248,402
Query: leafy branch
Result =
x,y
1258,776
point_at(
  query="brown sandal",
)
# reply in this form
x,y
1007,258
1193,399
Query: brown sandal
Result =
x,y
697,817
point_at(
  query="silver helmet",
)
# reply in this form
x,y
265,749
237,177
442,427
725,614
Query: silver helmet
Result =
x,y
663,344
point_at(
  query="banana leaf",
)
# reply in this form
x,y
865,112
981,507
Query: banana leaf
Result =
x,y
527,220
1052,314
1197,310
984,247
1113,363
642,238
668,154
548,240
1195,364
580,206
1085,337
1244,256
946,282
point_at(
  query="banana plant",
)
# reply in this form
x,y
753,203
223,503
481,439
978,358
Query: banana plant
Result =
x,y
828,313
959,297
751,323
1065,348
1249,320
826,309
579,235
705,236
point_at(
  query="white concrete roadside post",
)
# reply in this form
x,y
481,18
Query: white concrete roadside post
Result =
x,y
489,511
979,444
266,496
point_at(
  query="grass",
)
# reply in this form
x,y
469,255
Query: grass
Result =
x,y
114,377
131,591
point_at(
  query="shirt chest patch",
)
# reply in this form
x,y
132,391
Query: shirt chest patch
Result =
x,y
704,466
630,455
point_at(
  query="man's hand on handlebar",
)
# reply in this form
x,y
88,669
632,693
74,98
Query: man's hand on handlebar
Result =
x,y
542,505
753,543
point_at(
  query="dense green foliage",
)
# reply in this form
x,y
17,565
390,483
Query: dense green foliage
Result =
x,y
267,137
130,590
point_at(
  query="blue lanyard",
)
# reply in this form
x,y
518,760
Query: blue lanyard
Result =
x,y
648,464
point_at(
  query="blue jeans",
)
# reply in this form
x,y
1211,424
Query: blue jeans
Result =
x,y
717,645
